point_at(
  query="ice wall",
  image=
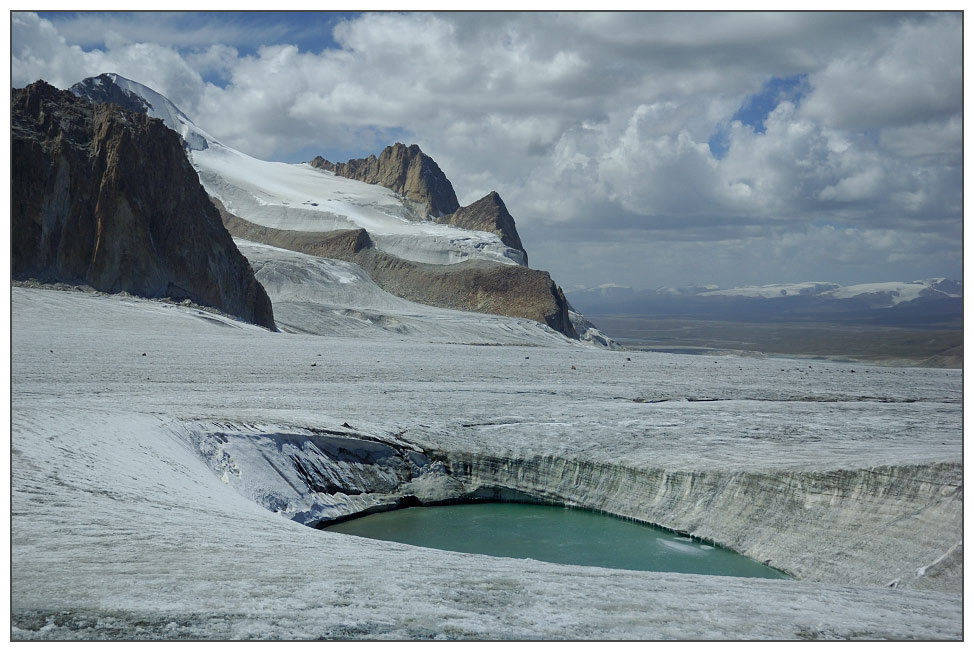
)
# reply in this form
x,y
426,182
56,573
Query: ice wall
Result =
x,y
883,526
878,526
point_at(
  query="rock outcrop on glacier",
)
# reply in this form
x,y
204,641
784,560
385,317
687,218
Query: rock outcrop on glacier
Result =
x,y
473,285
404,170
106,197
414,175
488,214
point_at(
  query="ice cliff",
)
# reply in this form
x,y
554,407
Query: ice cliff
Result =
x,y
861,526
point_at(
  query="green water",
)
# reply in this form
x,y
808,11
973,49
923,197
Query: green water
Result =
x,y
555,534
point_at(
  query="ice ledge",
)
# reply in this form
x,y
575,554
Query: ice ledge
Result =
x,y
868,527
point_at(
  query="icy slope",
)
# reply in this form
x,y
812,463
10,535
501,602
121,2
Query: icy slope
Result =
x,y
121,526
320,296
140,540
302,198
100,89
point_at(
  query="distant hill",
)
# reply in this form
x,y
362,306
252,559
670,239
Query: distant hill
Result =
x,y
925,303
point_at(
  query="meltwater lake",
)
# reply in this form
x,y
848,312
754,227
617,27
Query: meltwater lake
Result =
x,y
554,534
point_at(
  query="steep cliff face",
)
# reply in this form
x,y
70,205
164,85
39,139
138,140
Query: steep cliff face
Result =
x,y
106,197
488,214
405,170
474,285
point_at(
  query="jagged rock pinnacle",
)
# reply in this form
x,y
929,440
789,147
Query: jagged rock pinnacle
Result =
x,y
405,170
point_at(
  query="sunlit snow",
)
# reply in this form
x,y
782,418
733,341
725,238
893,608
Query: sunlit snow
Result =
x,y
121,525
160,456
298,197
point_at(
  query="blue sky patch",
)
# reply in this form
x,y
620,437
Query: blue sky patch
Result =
x,y
756,108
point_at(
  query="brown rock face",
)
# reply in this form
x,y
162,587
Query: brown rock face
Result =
x,y
476,286
106,197
488,214
417,177
405,170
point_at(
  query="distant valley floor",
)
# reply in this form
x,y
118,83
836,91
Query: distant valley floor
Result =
x,y
874,344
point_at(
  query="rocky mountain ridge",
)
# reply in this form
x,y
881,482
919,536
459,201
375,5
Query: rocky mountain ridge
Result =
x,y
474,285
488,214
417,177
112,88
404,170
106,197
480,265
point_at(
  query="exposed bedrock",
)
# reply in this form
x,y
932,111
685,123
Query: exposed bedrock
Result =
x,y
404,170
473,285
106,197
417,177
886,526
488,214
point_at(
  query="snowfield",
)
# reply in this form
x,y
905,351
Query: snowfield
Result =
x,y
152,442
298,197
896,291
321,296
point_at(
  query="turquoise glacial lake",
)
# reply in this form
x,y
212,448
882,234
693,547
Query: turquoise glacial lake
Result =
x,y
554,534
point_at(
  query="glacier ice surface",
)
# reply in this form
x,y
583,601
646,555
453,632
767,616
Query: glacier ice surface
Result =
x,y
120,527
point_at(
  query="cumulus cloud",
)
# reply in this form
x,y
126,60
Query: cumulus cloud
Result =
x,y
596,128
914,75
40,52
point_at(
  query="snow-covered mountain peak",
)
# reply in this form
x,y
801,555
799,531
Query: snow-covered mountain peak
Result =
x,y
112,87
888,293
776,290
299,197
897,292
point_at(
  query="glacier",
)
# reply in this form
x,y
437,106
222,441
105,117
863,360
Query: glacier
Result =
x,y
167,462
170,465
298,197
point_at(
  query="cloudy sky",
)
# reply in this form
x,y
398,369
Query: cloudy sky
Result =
x,y
643,149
